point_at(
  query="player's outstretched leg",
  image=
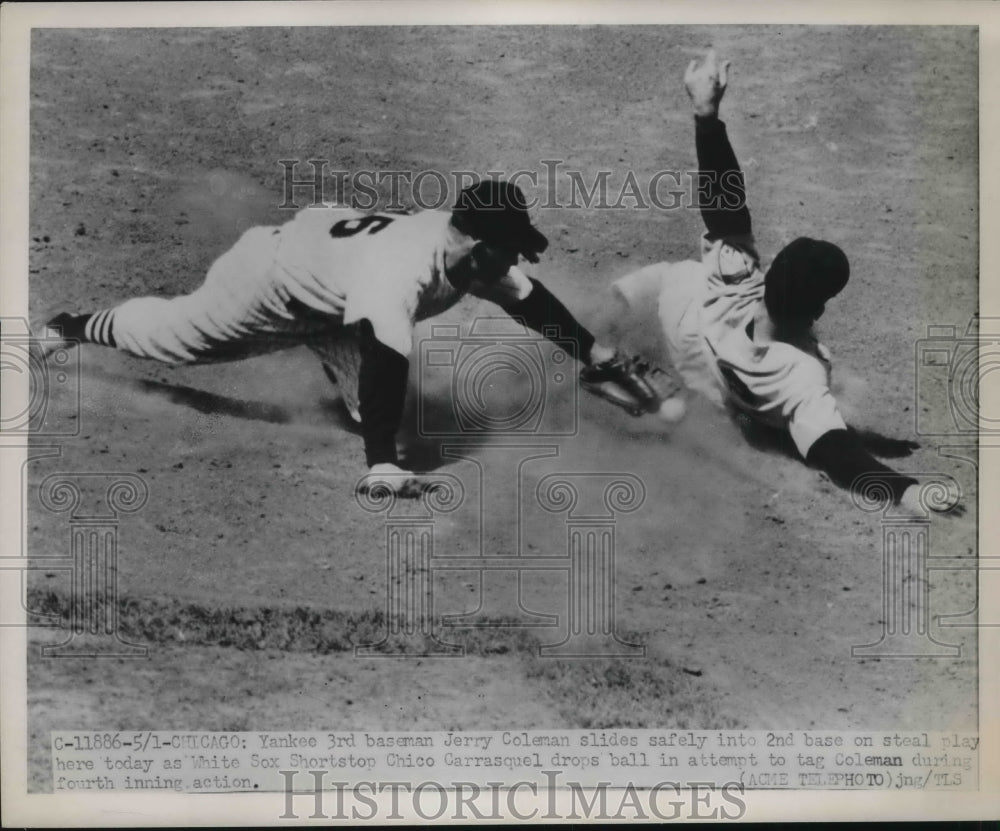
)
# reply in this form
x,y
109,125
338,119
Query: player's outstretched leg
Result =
x,y
233,314
340,355
66,330
146,327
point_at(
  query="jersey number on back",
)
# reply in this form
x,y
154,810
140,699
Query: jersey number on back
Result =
x,y
350,227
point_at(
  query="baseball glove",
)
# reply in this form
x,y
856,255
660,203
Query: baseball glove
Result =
x,y
631,383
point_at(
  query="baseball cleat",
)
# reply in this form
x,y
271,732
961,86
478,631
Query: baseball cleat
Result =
x,y
55,335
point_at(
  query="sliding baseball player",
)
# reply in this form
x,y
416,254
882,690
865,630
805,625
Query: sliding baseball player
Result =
x,y
744,337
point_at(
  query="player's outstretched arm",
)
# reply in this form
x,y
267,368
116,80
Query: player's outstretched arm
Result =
x,y
842,456
626,381
543,312
722,189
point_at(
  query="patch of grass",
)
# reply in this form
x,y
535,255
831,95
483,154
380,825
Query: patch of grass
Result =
x,y
595,692
604,693
295,629
501,637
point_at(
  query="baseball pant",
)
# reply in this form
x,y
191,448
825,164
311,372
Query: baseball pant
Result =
x,y
238,312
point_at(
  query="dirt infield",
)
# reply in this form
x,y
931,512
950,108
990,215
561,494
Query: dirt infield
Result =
x,y
251,572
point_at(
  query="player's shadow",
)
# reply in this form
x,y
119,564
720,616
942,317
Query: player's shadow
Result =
x,y
213,404
420,449
336,411
885,447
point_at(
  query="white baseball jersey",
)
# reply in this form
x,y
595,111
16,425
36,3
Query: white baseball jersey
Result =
x,y
707,311
384,267
303,282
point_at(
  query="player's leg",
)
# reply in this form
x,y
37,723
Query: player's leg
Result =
x,y
67,330
230,316
340,354
631,307
146,327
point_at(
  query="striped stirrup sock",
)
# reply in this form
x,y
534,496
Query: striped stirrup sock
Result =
x,y
89,328
97,328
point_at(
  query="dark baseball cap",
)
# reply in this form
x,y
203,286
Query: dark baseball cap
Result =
x,y
495,211
805,274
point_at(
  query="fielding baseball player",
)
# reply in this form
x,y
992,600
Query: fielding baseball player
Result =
x,y
744,337
351,286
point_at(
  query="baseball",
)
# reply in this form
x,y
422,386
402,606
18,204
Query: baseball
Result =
x,y
672,410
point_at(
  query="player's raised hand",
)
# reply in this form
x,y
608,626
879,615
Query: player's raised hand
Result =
x,y
390,478
706,83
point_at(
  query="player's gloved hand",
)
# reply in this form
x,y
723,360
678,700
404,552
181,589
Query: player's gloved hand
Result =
x,y
706,84
632,384
911,506
403,483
